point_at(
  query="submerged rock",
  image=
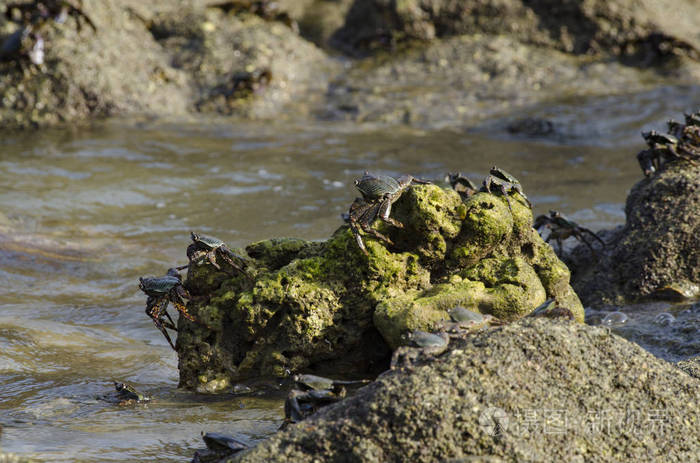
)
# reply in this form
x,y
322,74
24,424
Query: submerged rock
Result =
x,y
315,305
656,253
536,390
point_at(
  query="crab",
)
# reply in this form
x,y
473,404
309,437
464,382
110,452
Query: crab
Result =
x,y
128,395
461,184
429,343
379,192
550,309
675,128
161,291
505,183
313,382
465,321
562,228
651,160
691,138
313,393
219,447
418,344
210,248
683,142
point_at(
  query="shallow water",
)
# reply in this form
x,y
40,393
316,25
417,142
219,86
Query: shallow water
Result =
x,y
84,213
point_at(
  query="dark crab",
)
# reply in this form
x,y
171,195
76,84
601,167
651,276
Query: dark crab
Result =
x,y
562,228
219,446
210,248
551,309
461,184
313,392
683,142
418,344
128,395
379,192
675,128
161,291
505,183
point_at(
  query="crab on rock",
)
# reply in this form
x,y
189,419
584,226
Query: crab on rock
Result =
x,y
379,192
161,291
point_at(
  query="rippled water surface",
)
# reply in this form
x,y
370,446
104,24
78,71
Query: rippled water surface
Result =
x,y
84,213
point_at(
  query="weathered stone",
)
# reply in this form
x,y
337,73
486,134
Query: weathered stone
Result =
x,y
536,390
640,31
658,247
156,57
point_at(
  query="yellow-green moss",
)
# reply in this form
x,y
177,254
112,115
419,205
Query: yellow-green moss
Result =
x,y
316,302
423,309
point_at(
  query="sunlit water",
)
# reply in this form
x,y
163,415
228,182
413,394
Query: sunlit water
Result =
x,y
86,212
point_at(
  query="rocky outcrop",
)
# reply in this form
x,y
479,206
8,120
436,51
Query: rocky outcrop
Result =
x,y
535,390
657,252
445,63
440,62
640,32
316,304
157,58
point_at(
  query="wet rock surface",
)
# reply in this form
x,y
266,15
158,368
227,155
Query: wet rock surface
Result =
x,y
639,31
656,254
157,58
441,63
534,390
315,305
438,63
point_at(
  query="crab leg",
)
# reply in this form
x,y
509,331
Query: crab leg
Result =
x,y
594,235
385,210
181,307
156,310
358,237
226,254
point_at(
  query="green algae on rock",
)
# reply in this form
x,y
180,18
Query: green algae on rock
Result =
x,y
316,304
535,390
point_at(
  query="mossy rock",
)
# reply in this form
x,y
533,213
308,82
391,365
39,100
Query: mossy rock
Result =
x,y
325,304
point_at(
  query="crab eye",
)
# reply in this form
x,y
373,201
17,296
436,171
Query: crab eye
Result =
x,y
357,182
